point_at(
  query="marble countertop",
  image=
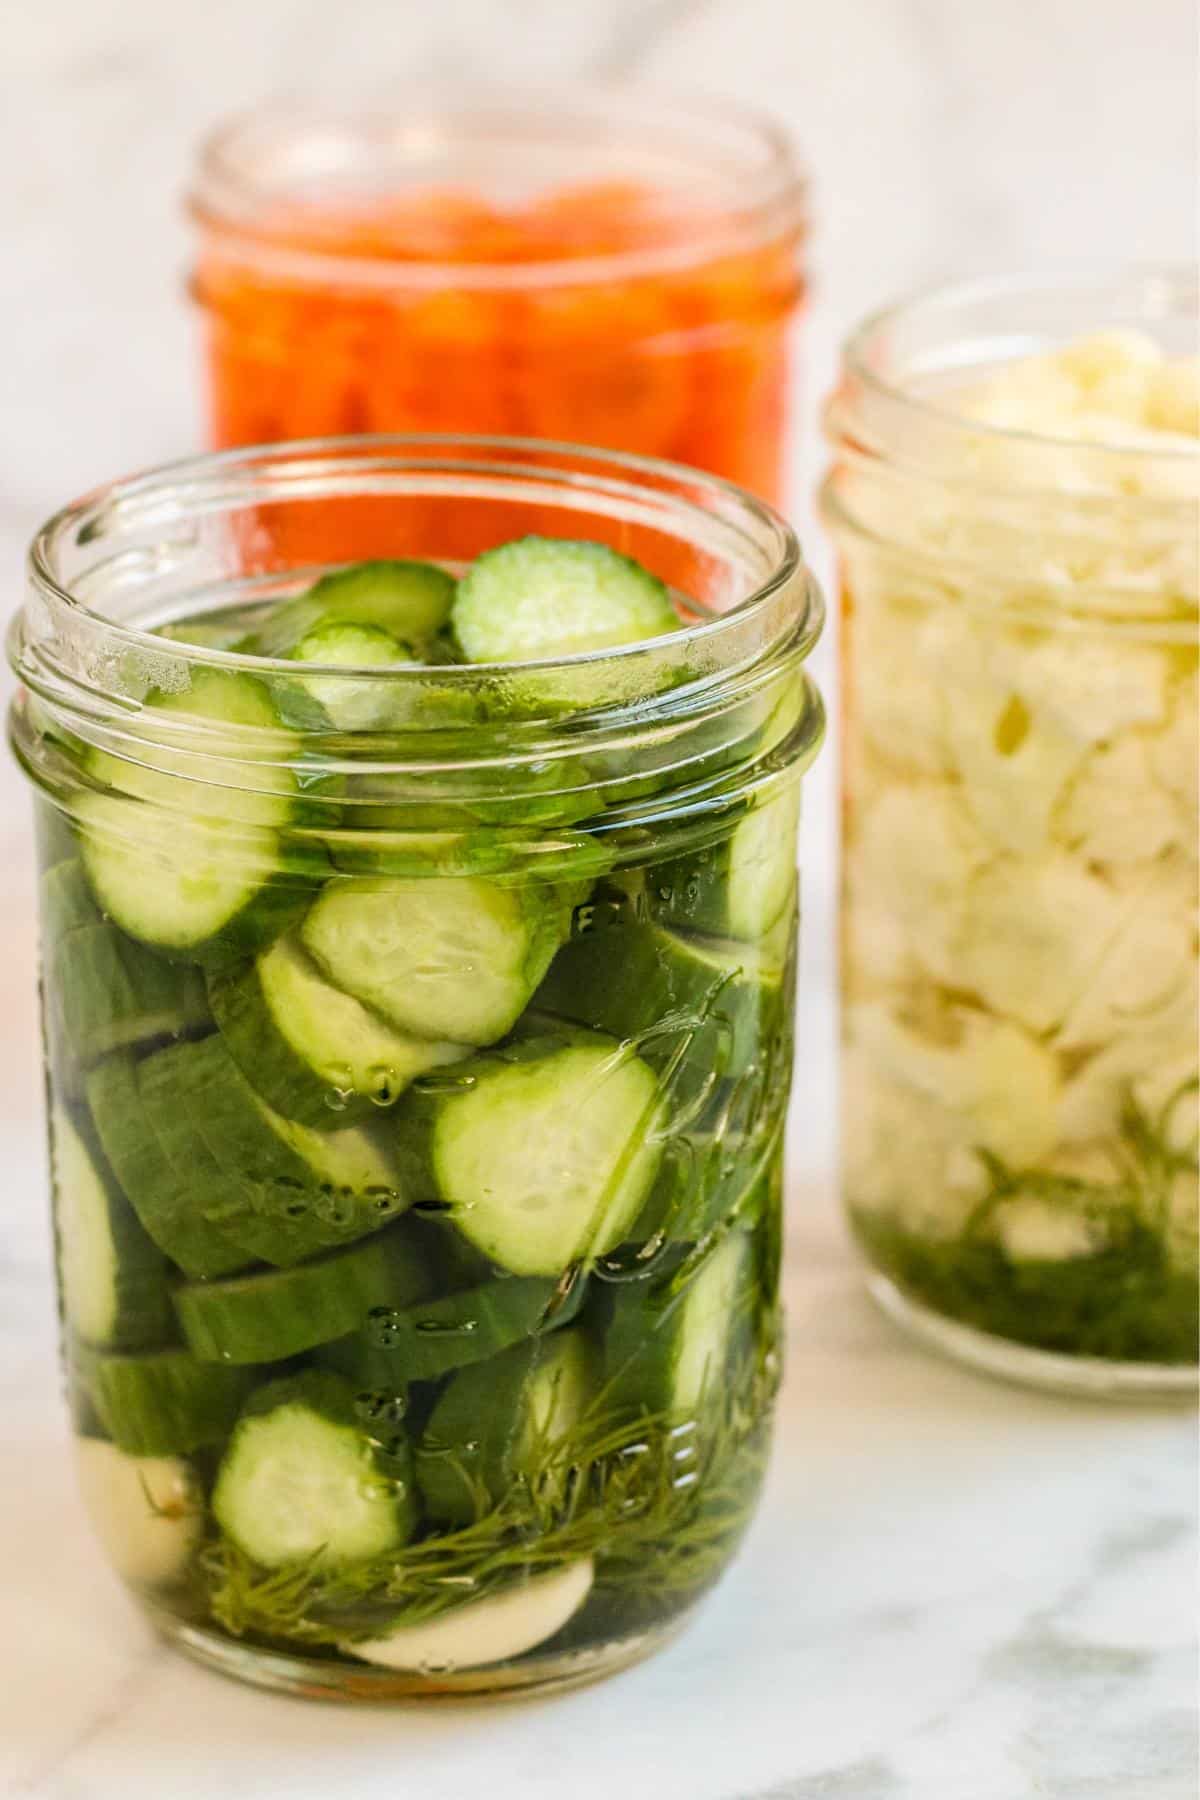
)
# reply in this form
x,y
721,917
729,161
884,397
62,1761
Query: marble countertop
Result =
x,y
954,1590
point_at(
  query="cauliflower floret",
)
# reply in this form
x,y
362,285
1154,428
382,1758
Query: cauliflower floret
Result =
x,y
892,696
1173,403
894,1149
915,852
1113,373
1033,934
1031,1228
1116,811
1152,1059
1142,965
1174,751
998,1086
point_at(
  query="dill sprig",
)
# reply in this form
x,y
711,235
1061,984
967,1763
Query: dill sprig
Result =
x,y
659,1504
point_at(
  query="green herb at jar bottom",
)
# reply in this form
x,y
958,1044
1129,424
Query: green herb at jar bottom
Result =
x,y
1131,1296
660,1505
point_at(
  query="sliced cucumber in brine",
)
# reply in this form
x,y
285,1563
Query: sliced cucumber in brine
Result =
x,y
115,995
501,1422
299,1481
538,598
314,1053
273,1314
339,702
740,887
481,1633
542,1152
668,1349
164,1402
409,600
161,1170
282,1191
447,959
67,900
113,1278
659,989
425,1340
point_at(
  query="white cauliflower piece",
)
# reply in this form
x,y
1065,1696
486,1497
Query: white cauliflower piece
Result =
x,y
1152,1060
1033,935
1116,811
891,691
914,853
1113,373
1173,402
1143,964
895,1146
1174,752
998,1087
1031,1228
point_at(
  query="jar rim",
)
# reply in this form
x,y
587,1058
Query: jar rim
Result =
x,y
1154,291
167,493
768,200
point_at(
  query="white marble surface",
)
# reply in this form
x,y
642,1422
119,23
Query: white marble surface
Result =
x,y
954,1591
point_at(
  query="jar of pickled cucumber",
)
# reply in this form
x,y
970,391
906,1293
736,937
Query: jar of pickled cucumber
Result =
x,y
418,949
1014,496
569,264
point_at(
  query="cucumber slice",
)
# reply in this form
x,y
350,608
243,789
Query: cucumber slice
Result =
x,y
483,1632
115,995
281,1191
426,1341
270,1315
539,598
705,1178
113,1278
147,1511
167,1192
449,959
175,884
668,1352
164,1402
67,900
299,1481
652,987
543,1152
334,701
500,1422
740,887
410,600
312,1052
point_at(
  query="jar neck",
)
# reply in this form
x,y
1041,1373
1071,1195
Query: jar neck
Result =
x,y
1043,523
683,722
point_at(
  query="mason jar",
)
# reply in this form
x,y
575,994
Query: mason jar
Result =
x,y
574,264
1014,499
419,1042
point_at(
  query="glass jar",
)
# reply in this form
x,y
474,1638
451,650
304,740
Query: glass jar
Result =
x,y
420,1317
573,264
1014,503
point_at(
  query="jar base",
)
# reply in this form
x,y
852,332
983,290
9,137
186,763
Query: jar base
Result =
x,y
321,1678
1085,1377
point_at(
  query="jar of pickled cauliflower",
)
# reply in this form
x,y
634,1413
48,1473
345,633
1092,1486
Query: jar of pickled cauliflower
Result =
x,y
607,268
1014,497
418,947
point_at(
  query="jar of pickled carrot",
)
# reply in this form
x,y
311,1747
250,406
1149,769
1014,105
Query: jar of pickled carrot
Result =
x,y
617,271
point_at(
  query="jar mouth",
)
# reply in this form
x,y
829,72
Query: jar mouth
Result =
x,y
176,498
731,171
1042,311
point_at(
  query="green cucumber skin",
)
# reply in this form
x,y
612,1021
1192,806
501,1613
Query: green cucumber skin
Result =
x,y
647,1322
142,1315
274,1069
705,1178
428,1340
115,995
167,1193
474,1446
632,979
269,1316
67,900
705,891
164,1402
266,1198
411,600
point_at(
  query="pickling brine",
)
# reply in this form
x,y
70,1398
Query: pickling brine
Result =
x,y
418,952
1020,877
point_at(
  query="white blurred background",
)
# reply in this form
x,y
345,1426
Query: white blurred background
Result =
x,y
945,137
